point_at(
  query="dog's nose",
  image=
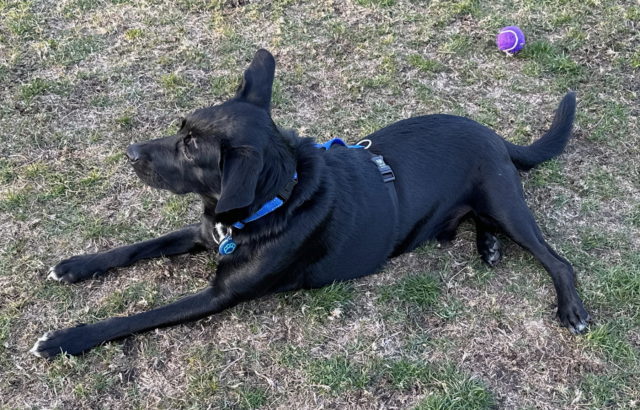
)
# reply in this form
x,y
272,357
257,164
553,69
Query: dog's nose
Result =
x,y
133,152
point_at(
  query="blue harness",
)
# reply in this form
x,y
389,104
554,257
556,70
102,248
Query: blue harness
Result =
x,y
227,245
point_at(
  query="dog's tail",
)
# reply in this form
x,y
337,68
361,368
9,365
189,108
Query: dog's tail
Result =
x,y
552,143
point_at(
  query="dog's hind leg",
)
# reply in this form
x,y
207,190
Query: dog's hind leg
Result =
x,y
506,206
82,267
488,245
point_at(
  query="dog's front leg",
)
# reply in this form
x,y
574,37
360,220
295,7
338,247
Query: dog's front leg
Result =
x,y
81,267
75,340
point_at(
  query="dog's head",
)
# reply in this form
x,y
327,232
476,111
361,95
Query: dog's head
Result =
x,y
232,153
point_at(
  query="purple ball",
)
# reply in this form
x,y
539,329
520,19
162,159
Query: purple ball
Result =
x,y
510,39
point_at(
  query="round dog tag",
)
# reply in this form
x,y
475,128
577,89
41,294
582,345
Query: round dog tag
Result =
x,y
227,246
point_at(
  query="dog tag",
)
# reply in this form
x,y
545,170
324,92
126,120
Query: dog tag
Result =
x,y
227,246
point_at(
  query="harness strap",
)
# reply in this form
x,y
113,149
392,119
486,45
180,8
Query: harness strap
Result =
x,y
385,171
388,177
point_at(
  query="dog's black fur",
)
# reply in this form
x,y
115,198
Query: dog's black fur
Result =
x,y
340,221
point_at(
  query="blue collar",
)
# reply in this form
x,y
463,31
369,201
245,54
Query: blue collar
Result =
x,y
272,205
227,244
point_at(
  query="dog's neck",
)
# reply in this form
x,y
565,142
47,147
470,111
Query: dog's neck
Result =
x,y
296,155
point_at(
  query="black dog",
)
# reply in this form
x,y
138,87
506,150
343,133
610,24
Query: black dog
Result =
x,y
297,216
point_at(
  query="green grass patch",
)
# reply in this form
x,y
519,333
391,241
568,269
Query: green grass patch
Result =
x,y
133,34
20,19
634,60
329,301
96,383
547,58
206,382
596,239
252,397
612,124
202,372
176,208
458,44
61,295
617,285
601,182
177,87
7,322
338,374
404,374
144,294
14,201
613,390
445,386
458,392
74,49
172,81
78,7
41,86
126,120
421,290
224,86
609,339
426,65
548,173
633,217
65,368
378,3
464,7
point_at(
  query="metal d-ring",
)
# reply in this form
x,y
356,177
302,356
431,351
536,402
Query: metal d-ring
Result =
x,y
365,141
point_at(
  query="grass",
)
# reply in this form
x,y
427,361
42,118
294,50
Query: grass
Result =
x,y
337,374
458,392
324,303
82,79
419,290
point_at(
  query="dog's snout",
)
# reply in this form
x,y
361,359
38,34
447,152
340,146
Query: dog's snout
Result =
x,y
133,152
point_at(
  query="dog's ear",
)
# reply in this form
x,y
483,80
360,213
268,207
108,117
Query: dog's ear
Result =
x,y
241,168
257,82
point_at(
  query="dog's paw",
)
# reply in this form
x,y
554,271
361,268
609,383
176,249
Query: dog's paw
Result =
x,y
71,341
575,317
76,268
490,250
53,275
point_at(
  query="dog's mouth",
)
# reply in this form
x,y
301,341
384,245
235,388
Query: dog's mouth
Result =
x,y
149,176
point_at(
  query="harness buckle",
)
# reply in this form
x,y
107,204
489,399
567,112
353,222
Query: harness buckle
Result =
x,y
384,168
288,189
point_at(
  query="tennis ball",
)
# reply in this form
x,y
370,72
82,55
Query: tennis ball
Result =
x,y
510,39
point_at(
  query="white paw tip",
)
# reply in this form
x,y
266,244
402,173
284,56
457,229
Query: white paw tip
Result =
x,y
53,275
36,347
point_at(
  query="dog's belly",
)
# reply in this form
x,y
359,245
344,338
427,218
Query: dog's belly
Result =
x,y
354,258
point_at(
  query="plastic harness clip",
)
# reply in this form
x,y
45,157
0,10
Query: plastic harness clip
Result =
x,y
385,170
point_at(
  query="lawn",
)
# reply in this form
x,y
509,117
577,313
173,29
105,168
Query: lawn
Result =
x,y
435,329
